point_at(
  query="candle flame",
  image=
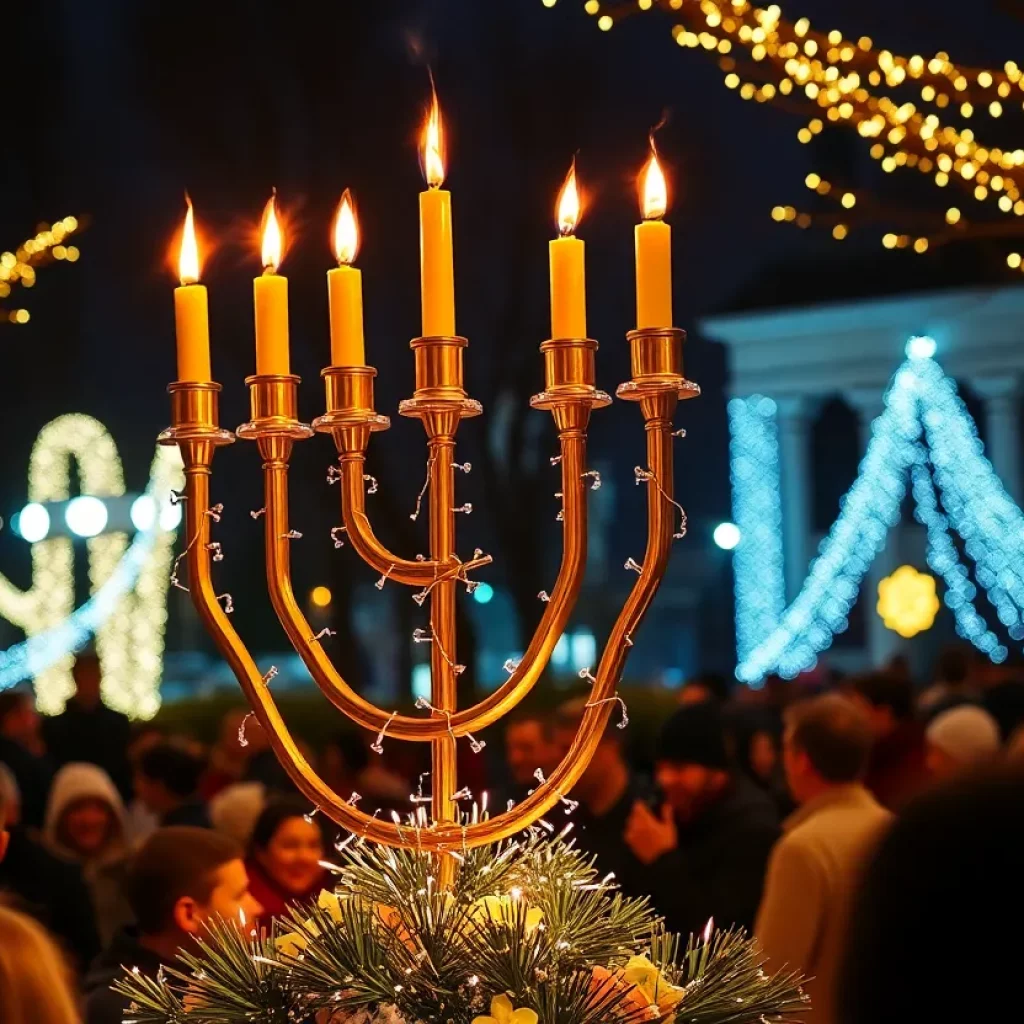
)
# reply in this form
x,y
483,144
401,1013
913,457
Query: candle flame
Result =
x,y
188,258
346,230
568,209
433,143
272,240
654,197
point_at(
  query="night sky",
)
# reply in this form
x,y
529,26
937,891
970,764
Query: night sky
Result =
x,y
113,108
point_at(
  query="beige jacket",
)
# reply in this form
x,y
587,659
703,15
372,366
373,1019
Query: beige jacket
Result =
x,y
808,896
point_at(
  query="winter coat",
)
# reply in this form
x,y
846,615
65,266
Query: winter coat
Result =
x,y
809,891
717,867
105,874
102,1005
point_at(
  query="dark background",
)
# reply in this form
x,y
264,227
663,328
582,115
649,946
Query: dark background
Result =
x,y
114,107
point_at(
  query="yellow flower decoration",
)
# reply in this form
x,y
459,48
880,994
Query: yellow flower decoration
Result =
x,y
502,910
503,1013
648,979
907,601
294,943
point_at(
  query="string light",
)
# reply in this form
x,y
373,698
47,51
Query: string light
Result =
x,y
19,267
926,433
892,100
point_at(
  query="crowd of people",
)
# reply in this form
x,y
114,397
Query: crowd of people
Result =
x,y
844,826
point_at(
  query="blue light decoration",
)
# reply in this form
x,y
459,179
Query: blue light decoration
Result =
x,y
757,511
924,435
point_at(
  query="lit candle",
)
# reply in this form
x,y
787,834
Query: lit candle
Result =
x,y
566,253
190,309
653,250
345,290
271,294
437,274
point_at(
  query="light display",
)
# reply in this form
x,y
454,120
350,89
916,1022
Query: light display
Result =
x,y
907,601
127,608
834,82
18,268
925,434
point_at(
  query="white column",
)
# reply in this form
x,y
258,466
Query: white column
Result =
x,y
882,643
1002,428
794,420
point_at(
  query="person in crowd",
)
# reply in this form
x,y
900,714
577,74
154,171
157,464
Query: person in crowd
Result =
x,y
349,768
933,935
140,821
530,743
953,684
1003,692
896,768
180,879
962,737
35,984
239,738
88,730
285,855
607,791
23,751
755,735
703,687
814,868
705,848
235,810
85,823
46,887
166,781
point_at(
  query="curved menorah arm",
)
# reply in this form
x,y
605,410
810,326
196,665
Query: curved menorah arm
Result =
x,y
496,704
372,551
204,597
657,410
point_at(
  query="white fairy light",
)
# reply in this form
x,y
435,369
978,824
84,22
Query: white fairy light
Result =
x,y
336,532
372,481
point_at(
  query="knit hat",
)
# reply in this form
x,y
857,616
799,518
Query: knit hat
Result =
x,y
966,733
695,734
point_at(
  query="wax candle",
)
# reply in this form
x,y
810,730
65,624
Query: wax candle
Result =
x,y
566,256
653,250
345,290
437,273
191,318
270,291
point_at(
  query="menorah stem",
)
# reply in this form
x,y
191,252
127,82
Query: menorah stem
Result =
x,y
441,427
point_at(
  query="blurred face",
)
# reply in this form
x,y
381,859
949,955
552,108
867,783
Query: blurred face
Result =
x,y
688,787
22,724
939,764
526,750
292,857
88,826
763,757
795,765
87,681
229,899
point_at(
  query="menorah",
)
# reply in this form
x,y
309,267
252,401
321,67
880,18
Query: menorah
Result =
x,y
441,402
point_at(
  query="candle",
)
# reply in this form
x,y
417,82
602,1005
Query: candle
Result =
x,y
566,253
345,290
653,250
270,291
190,310
437,274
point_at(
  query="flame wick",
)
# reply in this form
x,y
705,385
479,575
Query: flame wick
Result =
x,y
272,241
188,259
568,210
346,231
654,199
433,143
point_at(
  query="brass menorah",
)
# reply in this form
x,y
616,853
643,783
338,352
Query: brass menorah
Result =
x,y
441,402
